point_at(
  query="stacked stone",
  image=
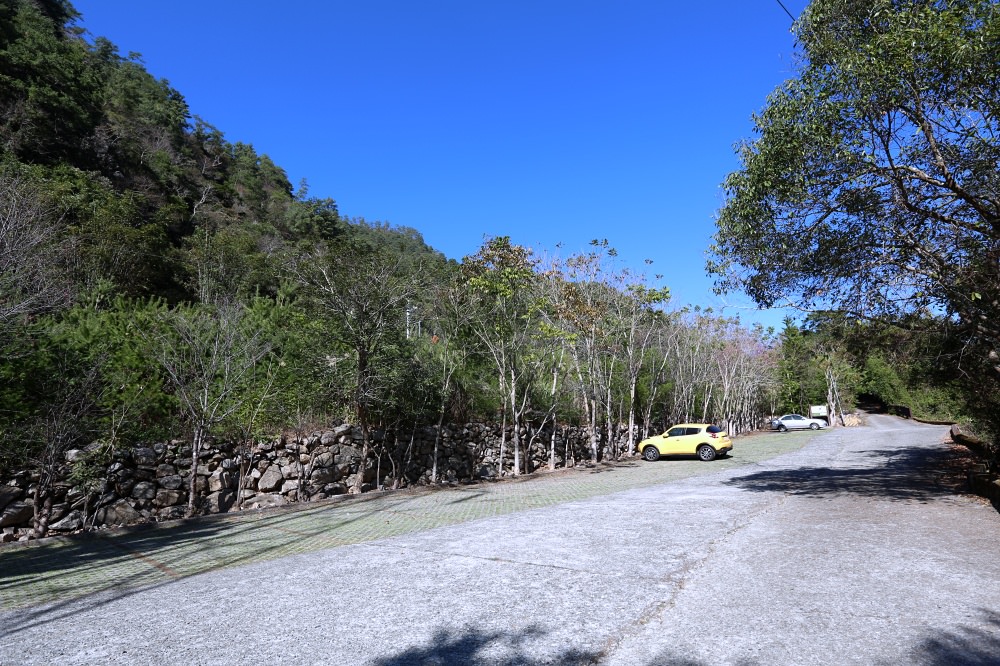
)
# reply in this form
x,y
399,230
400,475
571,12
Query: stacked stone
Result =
x,y
151,483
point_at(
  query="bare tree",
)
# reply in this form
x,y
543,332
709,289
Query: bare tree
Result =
x,y
583,308
60,427
208,355
30,252
666,327
633,312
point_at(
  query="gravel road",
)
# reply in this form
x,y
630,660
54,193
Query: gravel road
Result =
x,y
852,550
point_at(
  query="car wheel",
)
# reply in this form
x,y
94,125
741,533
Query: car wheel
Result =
x,y
782,427
814,426
651,454
706,452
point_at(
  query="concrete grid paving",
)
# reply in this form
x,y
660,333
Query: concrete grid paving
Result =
x,y
117,561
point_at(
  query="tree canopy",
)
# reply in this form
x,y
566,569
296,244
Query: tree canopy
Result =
x,y
873,184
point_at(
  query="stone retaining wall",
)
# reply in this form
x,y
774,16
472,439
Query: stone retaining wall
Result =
x,y
983,478
150,483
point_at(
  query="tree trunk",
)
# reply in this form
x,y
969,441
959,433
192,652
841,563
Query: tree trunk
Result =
x,y
437,444
503,441
592,427
199,431
552,443
609,424
631,417
363,465
408,462
552,400
361,381
516,432
43,507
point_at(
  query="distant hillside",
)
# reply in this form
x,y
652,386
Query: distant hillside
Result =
x,y
139,184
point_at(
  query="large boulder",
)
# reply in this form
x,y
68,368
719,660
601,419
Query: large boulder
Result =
x,y
291,486
325,459
201,485
171,512
166,497
17,514
347,455
220,480
265,501
72,521
172,482
144,490
57,511
144,456
220,502
165,470
270,480
119,513
323,475
8,494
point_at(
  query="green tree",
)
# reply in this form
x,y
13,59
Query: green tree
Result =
x,y
51,89
362,295
502,279
882,381
873,184
800,379
447,345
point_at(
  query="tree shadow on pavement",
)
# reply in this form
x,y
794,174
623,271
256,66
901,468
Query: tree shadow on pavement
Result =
x,y
969,646
897,474
966,646
473,647
79,573
667,658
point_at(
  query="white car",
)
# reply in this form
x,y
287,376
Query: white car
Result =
x,y
796,422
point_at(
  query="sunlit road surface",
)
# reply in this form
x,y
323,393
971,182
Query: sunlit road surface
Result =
x,y
850,549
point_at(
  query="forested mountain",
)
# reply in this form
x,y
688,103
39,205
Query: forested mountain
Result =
x,y
159,281
139,184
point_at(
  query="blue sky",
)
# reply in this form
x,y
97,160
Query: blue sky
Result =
x,y
550,121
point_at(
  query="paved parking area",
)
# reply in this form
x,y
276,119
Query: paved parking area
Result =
x,y
851,546
115,561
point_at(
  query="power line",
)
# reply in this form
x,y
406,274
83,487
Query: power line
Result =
x,y
786,10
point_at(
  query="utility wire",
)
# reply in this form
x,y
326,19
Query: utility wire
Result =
x,y
786,11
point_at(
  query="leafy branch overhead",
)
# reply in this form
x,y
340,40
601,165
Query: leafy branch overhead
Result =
x,y
873,184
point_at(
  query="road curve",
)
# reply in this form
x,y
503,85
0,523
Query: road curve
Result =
x,y
848,551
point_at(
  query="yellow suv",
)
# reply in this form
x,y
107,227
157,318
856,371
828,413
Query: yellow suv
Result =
x,y
705,440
